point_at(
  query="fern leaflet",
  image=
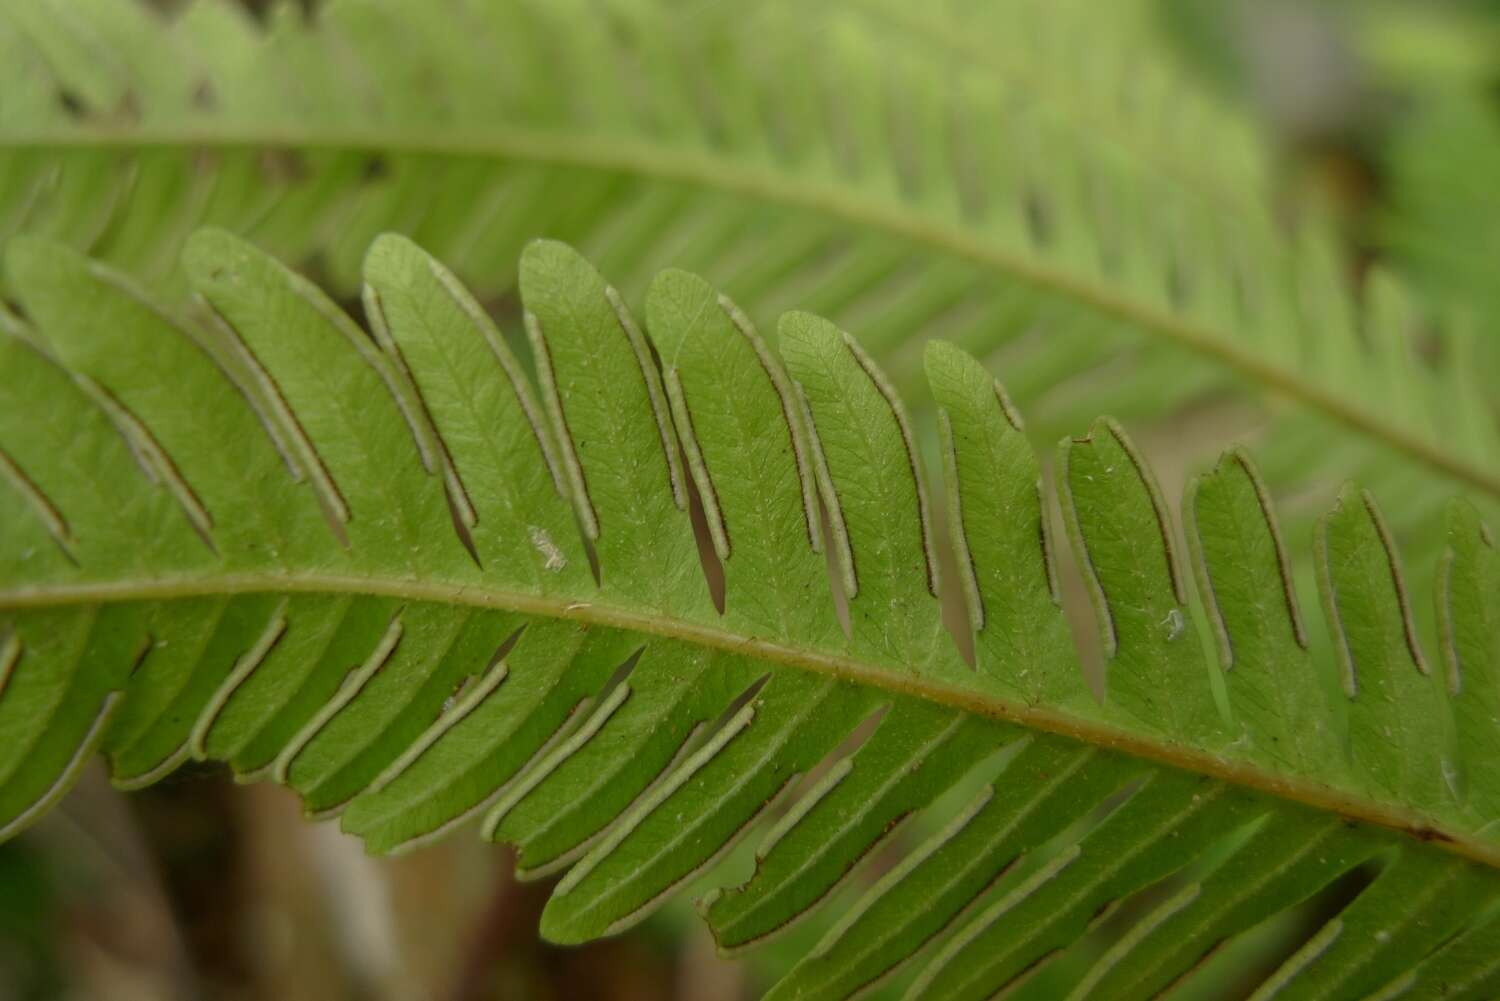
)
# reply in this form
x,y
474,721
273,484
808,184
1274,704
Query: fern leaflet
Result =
x,y
363,565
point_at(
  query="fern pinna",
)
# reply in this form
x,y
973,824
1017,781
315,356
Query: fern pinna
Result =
x,y
1034,180
387,571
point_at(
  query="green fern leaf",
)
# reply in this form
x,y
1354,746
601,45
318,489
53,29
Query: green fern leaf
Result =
x,y
386,571
1033,182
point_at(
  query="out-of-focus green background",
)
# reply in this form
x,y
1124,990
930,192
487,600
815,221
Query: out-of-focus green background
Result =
x,y
1385,113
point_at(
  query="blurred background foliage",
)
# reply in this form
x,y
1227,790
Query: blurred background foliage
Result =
x,y
1387,112
1384,114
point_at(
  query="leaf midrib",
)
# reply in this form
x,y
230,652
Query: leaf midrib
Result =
x,y
1092,732
728,175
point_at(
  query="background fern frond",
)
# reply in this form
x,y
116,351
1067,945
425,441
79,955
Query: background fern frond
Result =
x,y
1024,206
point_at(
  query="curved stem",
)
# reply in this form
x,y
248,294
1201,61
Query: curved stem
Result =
x,y
1095,732
843,202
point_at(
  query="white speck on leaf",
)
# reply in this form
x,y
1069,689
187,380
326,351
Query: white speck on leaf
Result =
x,y
1451,778
1175,623
553,557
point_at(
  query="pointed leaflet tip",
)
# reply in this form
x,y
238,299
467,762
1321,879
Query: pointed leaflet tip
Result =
x,y
553,272
939,356
385,252
672,294
210,251
1108,429
1220,511
550,267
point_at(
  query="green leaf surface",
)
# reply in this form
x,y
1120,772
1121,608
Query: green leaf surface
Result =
x,y
1036,180
476,602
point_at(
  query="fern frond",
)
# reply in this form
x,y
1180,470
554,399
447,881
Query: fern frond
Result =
x,y
889,185
361,565
1452,146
